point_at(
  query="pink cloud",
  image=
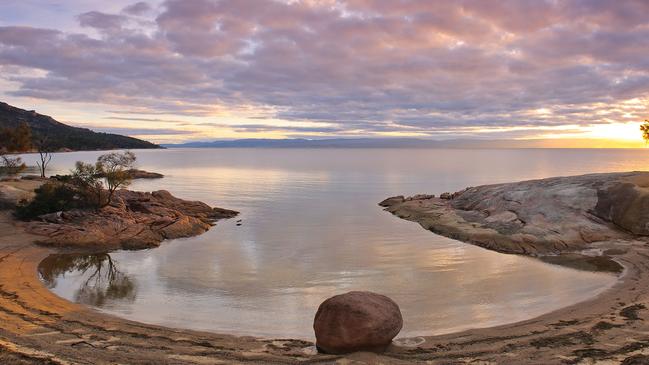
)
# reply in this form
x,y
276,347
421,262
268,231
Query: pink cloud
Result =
x,y
361,63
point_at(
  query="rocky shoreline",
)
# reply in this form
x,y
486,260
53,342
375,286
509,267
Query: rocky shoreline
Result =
x,y
559,220
134,220
39,328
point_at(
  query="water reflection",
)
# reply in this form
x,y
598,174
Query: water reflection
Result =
x,y
312,229
100,279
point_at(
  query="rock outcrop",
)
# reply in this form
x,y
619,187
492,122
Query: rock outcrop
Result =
x,y
626,205
537,217
134,220
392,201
356,321
141,174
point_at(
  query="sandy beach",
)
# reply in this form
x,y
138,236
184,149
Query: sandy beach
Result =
x,y
40,328
461,182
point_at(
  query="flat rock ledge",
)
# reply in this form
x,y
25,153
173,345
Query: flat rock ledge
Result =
x,y
135,220
544,217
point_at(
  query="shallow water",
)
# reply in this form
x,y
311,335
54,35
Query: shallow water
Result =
x,y
311,228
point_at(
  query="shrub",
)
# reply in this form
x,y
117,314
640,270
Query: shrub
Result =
x,y
98,183
11,141
51,197
84,188
114,168
10,165
86,178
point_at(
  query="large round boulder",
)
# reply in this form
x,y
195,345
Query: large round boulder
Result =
x,y
356,321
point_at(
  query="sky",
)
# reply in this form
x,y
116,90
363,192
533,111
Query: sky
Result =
x,y
187,70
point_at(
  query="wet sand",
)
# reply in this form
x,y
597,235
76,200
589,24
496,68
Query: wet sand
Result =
x,y
37,327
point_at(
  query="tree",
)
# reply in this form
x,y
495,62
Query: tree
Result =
x,y
87,186
99,182
115,168
44,153
102,279
86,178
644,127
22,138
13,140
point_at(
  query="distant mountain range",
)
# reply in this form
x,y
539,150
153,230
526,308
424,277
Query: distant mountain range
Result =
x,y
309,143
65,137
404,143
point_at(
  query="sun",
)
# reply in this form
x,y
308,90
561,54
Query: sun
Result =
x,y
615,131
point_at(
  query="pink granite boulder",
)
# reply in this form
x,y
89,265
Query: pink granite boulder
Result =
x,y
356,321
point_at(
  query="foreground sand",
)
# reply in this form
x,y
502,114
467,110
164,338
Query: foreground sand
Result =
x,y
37,327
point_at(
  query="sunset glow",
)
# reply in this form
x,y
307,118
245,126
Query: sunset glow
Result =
x,y
174,71
324,181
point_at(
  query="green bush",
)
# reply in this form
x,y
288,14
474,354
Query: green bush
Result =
x,y
88,186
51,197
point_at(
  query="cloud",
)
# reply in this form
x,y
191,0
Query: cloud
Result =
x,y
155,120
138,8
248,128
25,36
359,65
99,20
142,131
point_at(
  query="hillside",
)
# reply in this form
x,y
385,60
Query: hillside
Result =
x,y
62,136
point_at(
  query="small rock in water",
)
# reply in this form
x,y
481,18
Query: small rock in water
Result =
x,y
141,174
356,321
